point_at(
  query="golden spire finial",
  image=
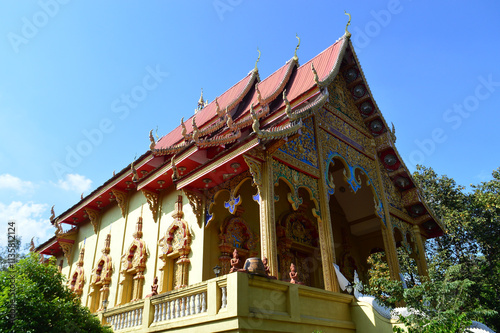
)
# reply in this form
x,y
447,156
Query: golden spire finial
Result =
x,y
347,33
296,48
258,58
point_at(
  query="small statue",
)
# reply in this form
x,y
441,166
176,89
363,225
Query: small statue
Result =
x,y
293,275
266,266
154,287
235,263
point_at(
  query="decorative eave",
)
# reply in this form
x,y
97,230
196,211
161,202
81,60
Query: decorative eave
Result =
x,y
394,165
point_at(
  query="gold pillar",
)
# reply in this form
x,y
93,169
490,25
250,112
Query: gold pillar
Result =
x,y
267,220
262,173
421,261
326,241
387,230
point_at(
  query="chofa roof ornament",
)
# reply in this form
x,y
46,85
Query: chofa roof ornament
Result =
x,y
347,33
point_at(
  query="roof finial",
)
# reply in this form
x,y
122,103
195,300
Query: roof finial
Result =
x,y
316,78
347,33
135,177
201,102
52,215
219,112
196,133
152,139
157,137
184,130
259,96
258,58
296,48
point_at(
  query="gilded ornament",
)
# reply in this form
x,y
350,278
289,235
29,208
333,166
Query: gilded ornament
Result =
x,y
152,139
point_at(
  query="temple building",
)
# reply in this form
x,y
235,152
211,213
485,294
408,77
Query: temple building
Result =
x,y
298,168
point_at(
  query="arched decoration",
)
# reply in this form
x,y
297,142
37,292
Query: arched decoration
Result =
x,y
175,247
133,263
235,234
232,187
352,176
298,243
100,278
78,278
407,238
295,180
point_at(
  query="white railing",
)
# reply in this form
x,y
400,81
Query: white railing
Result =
x,y
223,303
126,319
179,307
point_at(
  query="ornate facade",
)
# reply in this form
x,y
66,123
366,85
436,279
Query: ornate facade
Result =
x,y
300,168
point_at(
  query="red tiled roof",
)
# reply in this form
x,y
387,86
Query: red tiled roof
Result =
x,y
269,88
208,112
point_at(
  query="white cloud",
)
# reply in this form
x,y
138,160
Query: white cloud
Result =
x,y
75,182
28,222
9,182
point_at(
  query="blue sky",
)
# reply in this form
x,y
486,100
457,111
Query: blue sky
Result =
x,y
67,68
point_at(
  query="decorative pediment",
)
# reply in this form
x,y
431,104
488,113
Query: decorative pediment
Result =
x,y
134,259
101,274
177,239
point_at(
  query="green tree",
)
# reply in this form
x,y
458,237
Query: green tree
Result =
x,y
33,298
464,263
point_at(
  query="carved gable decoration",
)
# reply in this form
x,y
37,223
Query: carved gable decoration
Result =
x,y
101,274
177,239
303,148
134,259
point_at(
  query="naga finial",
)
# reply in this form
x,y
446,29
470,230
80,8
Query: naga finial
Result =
x,y
135,177
229,122
259,97
32,245
296,48
174,169
220,113
258,59
256,123
201,102
152,139
393,133
196,132
156,133
81,196
288,107
184,130
52,215
347,33
316,78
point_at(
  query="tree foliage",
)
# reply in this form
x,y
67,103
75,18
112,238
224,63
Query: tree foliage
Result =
x,y
463,264
33,298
